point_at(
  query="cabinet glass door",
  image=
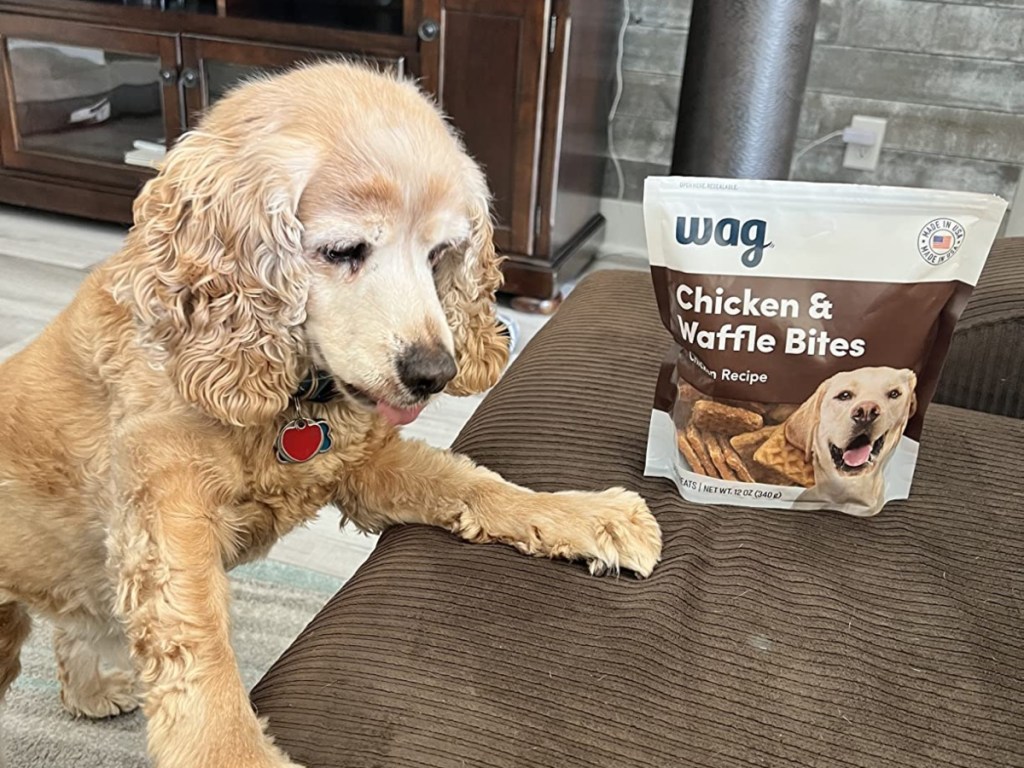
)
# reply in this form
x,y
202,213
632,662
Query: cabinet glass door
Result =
x,y
96,111
214,67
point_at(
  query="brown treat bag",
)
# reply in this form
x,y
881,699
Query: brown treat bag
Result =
x,y
810,324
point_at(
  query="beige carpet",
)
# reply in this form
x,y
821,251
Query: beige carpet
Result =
x,y
272,603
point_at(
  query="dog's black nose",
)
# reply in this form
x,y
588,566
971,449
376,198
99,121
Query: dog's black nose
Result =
x,y
865,413
425,371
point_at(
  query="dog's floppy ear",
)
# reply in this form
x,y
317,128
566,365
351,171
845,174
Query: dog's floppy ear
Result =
x,y
801,426
912,384
467,285
213,273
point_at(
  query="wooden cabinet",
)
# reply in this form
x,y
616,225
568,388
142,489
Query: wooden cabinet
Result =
x,y
211,66
84,84
497,104
530,85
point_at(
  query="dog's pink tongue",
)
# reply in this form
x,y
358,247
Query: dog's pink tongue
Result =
x,y
857,457
398,416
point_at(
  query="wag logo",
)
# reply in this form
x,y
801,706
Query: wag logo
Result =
x,y
692,230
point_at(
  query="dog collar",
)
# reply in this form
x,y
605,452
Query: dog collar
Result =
x,y
301,438
317,387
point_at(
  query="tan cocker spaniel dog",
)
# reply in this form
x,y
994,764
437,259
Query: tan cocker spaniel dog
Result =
x,y
160,431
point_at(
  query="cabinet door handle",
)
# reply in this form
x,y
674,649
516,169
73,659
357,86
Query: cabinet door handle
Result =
x,y
429,30
169,76
189,78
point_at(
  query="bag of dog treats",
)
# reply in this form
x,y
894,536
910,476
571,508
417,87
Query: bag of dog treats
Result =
x,y
811,322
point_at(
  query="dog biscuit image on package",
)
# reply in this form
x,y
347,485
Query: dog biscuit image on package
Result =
x,y
810,326
719,418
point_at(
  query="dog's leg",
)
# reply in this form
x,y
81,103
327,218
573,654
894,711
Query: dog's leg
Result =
x,y
14,628
173,592
409,482
94,668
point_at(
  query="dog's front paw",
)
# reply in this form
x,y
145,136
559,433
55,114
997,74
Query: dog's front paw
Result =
x,y
108,695
625,533
611,530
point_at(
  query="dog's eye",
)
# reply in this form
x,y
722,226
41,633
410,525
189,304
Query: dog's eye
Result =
x,y
436,253
350,255
845,395
894,393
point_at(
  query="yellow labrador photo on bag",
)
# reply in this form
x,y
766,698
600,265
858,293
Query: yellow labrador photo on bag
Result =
x,y
849,429
836,443
805,357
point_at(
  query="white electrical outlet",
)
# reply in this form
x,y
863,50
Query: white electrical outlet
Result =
x,y
864,157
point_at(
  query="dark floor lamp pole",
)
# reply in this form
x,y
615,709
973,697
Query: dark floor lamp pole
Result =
x,y
743,86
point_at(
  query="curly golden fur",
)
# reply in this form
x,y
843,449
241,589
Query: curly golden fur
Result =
x,y
326,217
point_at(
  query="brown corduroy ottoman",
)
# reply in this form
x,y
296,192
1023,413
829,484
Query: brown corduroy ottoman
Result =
x,y
765,638
985,367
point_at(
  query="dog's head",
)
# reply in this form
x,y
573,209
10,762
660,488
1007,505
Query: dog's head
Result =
x,y
326,217
854,420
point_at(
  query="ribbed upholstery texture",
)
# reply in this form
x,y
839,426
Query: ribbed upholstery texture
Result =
x,y
764,638
985,366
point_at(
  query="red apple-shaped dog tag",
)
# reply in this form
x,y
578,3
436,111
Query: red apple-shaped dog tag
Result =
x,y
302,439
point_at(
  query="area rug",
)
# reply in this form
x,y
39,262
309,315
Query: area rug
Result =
x,y
272,602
